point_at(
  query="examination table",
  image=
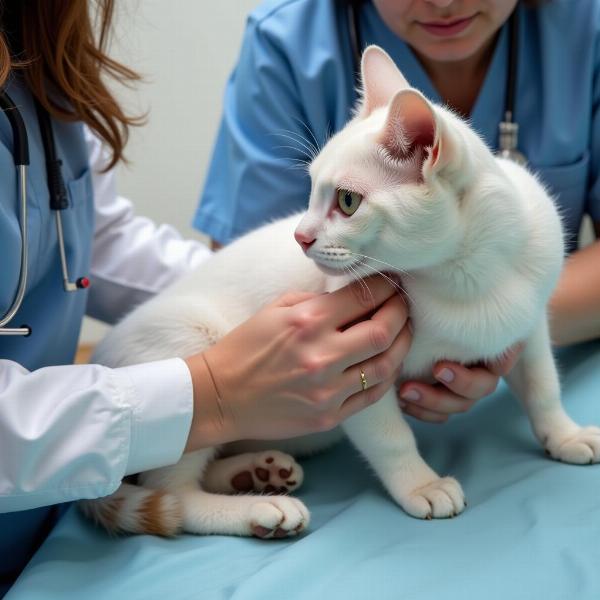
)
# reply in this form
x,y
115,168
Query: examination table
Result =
x,y
531,529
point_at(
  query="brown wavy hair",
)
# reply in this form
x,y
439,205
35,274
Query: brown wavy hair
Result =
x,y
59,46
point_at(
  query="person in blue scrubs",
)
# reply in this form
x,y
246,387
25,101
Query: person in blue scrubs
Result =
x,y
69,432
293,86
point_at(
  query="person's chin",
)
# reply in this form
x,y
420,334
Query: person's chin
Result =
x,y
450,50
454,49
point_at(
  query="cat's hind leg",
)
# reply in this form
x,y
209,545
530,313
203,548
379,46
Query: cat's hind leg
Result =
x,y
205,513
270,472
535,381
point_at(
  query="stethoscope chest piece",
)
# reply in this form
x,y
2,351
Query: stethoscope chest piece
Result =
x,y
507,145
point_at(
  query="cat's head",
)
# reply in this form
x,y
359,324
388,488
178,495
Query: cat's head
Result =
x,y
389,185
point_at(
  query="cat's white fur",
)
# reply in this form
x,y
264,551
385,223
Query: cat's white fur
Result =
x,y
478,244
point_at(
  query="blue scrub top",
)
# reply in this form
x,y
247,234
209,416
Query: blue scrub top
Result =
x,y
54,315
294,78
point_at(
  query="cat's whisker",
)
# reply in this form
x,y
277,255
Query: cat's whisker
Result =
x,y
298,137
299,152
297,167
375,270
316,145
353,275
289,148
406,273
363,283
306,148
297,163
393,283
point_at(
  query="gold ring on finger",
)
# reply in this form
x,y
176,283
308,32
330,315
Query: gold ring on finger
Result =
x,y
363,380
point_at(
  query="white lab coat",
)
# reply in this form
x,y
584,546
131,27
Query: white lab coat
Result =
x,y
72,432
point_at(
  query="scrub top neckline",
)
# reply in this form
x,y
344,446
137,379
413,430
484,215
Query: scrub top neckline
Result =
x,y
489,105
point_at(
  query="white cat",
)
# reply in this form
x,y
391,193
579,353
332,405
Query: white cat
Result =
x,y
407,187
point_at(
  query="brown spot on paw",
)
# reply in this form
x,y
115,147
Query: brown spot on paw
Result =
x,y
291,482
280,533
270,459
262,474
285,473
260,531
243,482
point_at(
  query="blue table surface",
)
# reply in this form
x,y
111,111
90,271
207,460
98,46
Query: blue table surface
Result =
x,y
531,529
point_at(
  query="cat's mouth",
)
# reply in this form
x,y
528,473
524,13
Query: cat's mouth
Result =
x,y
337,261
334,260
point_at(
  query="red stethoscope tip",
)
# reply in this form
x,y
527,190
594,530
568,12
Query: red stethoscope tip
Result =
x,y
83,283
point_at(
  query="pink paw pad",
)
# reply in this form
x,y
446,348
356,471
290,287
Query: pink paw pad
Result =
x,y
277,532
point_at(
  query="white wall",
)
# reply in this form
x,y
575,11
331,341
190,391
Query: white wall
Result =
x,y
185,50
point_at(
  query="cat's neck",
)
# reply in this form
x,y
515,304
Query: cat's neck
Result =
x,y
492,243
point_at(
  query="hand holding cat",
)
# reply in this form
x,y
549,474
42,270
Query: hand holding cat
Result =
x,y
458,389
295,367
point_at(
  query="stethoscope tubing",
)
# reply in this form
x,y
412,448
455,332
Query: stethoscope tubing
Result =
x,y
21,154
18,300
58,202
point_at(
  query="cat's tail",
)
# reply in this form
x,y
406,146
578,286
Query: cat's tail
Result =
x,y
135,509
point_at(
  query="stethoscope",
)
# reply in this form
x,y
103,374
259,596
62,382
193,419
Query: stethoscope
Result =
x,y
508,129
58,201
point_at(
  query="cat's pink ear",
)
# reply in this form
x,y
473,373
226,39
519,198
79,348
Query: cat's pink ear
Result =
x,y
412,129
381,80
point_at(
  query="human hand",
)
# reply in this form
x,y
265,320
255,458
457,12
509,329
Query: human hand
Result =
x,y
295,367
458,389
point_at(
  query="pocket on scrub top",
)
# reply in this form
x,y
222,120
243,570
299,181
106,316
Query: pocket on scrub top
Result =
x,y
80,190
568,185
78,219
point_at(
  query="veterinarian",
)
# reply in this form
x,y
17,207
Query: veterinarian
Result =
x,y
298,64
69,432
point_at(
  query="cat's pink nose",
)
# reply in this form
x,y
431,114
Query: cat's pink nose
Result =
x,y
306,240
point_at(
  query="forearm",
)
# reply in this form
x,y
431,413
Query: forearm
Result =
x,y
575,305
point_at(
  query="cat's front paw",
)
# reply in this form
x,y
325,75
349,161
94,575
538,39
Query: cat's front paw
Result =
x,y
278,517
579,448
440,499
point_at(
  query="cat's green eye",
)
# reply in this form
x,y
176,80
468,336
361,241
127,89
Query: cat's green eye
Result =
x,y
348,201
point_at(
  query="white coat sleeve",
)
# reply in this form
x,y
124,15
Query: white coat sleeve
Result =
x,y
132,257
73,432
